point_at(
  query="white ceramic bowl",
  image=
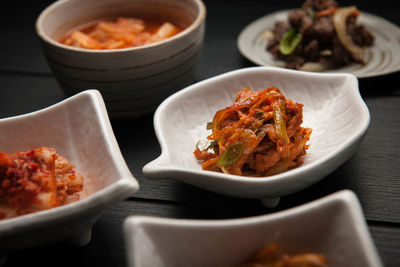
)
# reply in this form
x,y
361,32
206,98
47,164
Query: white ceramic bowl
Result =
x,y
333,225
79,129
133,81
333,108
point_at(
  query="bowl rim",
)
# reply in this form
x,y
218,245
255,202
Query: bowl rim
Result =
x,y
45,37
346,198
345,195
122,188
151,168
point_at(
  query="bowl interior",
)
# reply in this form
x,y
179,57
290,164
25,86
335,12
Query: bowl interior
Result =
x,y
66,15
333,108
333,226
79,130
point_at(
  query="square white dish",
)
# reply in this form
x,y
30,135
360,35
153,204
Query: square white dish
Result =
x,y
333,226
79,129
333,108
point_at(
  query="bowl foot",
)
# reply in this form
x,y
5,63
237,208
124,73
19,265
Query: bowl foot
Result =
x,y
270,202
83,239
3,259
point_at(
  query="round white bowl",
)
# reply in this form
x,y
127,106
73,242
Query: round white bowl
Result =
x,y
133,81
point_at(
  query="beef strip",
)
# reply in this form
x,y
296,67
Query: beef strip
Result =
x,y
311,51
340,55
322,30
358,33
300,20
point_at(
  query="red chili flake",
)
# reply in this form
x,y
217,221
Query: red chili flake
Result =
x,y
6,184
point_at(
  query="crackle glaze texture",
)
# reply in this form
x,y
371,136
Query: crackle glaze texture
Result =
x,y
333,108
381,58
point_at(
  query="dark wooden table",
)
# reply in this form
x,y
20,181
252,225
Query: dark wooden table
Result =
x,y
373,173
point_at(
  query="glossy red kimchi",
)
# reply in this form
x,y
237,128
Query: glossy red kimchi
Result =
x,y
36,180
121,33
258,135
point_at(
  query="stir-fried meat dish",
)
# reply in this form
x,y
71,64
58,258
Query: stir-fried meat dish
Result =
x,y
319,36
258,135
36,180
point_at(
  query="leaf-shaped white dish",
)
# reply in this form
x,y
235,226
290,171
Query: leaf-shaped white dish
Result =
x,y
380,59
79,129
333,225
333,108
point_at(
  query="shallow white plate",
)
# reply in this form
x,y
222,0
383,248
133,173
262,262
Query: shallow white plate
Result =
x,y
79,129
333,108
334,226
381,58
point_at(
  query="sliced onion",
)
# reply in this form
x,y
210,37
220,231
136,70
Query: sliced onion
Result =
x,y
339,22
326,52
267,35
314,66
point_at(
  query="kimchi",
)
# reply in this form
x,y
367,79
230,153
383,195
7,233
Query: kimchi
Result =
x,y
121,33
36,180
260,134
269,256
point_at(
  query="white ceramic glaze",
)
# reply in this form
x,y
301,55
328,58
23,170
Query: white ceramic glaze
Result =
x,y
79,129
334,226
381,58
133,81
333,108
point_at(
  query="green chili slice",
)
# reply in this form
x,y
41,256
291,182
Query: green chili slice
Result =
x,y
259,114
209,125
231,155
289,41
213,143
311,13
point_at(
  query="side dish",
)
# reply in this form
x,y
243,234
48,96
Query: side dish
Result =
x,y
36,180
269,257
319,36
258,135
120,33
